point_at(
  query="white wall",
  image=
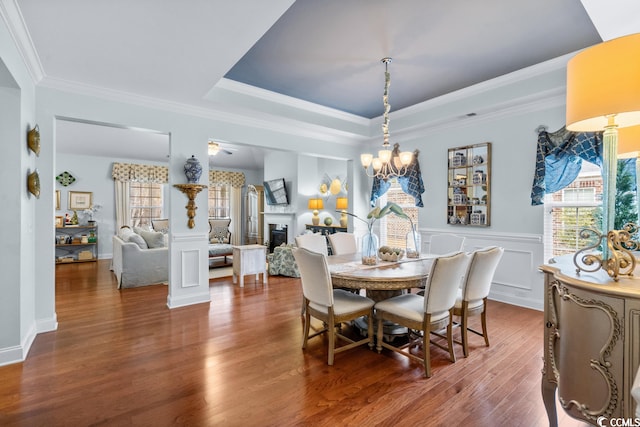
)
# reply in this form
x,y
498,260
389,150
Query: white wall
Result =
x,y
19,309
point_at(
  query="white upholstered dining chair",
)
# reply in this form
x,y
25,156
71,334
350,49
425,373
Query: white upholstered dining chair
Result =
x,y
313,242
331,306
343,243
441,244
427,313
472,297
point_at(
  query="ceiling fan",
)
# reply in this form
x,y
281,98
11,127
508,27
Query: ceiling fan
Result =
x,y
215,147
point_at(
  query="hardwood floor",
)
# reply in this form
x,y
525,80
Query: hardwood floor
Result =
x,y
123,358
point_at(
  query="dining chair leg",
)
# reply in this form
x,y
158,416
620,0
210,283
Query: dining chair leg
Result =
x,y
370,331
483,317
426,347
331,329
452,354
464,319
307,325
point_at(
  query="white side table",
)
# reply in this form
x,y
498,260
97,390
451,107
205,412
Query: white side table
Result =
x,y
249,259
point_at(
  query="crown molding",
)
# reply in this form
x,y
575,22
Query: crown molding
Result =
x,y
235,115
14,20
481,88
289,101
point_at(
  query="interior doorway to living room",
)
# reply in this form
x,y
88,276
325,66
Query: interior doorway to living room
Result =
x,y
85,155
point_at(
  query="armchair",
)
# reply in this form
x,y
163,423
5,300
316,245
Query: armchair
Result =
x,y
282,262
219,230
220,238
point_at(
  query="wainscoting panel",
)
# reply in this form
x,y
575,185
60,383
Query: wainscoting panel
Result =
x,y
190,262
188,269
517,280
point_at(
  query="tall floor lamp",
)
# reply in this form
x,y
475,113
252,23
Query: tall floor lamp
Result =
x,y
603,93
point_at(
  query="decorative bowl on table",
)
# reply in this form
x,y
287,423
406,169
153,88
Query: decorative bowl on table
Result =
x,y
388,253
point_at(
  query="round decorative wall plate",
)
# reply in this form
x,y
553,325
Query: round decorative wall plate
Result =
x,y
65,178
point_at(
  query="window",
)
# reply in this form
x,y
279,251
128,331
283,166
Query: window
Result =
x,y
219,202
570,210
393,229
586,195
145,199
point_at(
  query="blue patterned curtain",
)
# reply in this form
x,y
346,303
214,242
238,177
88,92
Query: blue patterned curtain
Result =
x,y
559,159
411,183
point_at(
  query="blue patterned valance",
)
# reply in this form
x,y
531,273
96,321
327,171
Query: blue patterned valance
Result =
x,y
411,183
559,158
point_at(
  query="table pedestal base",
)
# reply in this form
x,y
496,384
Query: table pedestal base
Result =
x,y
390,330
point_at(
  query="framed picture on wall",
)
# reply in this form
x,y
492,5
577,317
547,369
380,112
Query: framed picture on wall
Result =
x,y
80,200
57,200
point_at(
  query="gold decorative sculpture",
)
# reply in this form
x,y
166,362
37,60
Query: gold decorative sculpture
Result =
x,y
620,261
33,140
191,190
33,183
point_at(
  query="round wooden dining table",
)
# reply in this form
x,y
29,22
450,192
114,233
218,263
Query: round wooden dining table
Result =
x,y
381,281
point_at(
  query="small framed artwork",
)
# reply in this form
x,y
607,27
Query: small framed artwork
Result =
x,y
57,200
59,221
80,200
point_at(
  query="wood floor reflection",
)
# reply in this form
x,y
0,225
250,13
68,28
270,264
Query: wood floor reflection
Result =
x,y
123,358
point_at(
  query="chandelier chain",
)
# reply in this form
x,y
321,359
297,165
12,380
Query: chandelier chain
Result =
x,y
389,163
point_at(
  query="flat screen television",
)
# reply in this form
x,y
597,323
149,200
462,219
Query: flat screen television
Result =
x,y
275,191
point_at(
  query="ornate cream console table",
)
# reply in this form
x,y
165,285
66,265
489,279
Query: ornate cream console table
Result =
x,y
591,342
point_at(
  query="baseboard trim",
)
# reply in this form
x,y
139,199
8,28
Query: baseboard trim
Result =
x,y
18,353
517,301
175,302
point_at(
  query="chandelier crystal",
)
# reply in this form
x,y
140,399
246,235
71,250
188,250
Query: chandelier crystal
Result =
x,y
388,164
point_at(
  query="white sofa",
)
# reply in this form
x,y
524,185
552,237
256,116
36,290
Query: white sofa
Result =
x,y
135,267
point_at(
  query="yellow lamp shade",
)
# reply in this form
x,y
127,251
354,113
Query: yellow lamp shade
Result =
x,y
315,204
629,140
341,203
604,80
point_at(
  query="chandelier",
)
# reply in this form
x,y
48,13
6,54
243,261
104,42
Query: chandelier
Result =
x,y
213,148
388,164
